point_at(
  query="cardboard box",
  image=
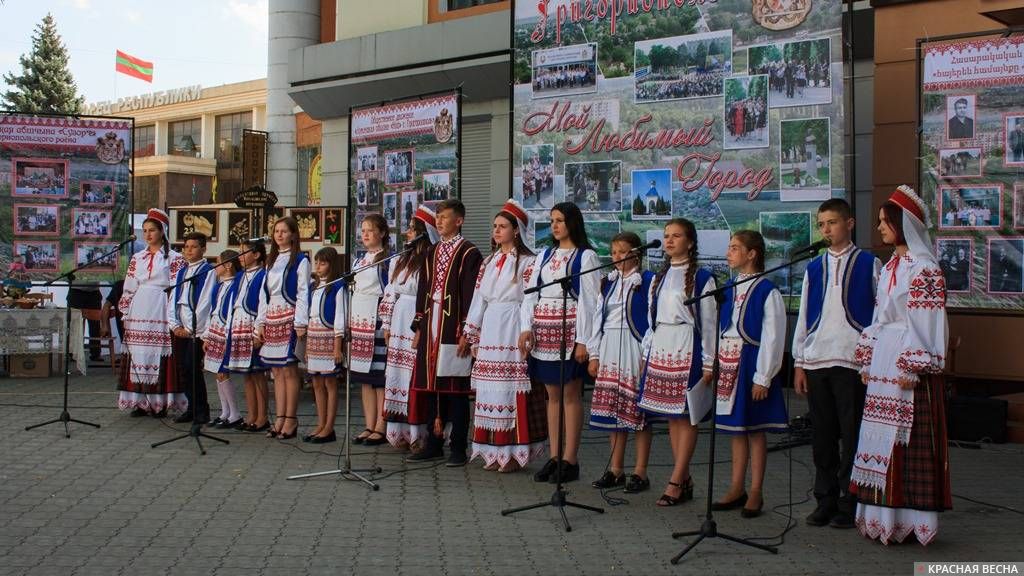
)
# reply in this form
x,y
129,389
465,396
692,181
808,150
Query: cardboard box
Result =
x,y
30,365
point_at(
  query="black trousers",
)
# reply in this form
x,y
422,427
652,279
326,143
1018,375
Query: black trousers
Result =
x,y
190,367
454,409
836,399
88,299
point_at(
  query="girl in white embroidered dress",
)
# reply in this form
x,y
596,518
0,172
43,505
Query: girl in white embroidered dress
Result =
x,y
146,383
323,345
397,311
541,333
901,467
368,349
282,321
508,407
242,356
215,339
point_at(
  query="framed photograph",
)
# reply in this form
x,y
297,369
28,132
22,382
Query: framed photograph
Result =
x,y
87,223
390,210
361,191
270,217
538,190
960,116
1013,140
1004,257
239,227
652,194
373,191
1018,205
409,203
975,207
437,186
39,256
39,177
805,160
399,166
959,163
96,193
564,71
366,159
956,253
799,73
334,227
202,221
681,67
745,116
594,186
36,219
86,252
783,233
310,225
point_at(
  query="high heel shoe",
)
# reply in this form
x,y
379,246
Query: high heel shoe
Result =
x,y
274,430
282,435
685,494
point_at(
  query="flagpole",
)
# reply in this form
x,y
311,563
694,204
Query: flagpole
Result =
x,y
115,77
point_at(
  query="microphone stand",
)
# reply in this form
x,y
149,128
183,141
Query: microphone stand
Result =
x,y
196,428
346,471
709,528
558,497
65,416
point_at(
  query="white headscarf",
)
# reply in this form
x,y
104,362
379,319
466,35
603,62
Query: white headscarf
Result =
x,y
915,223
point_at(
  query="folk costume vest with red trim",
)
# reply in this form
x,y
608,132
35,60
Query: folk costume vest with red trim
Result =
x,y
858,289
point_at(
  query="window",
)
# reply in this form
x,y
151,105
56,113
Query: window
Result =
x,y
144,141
185,138
450,5
441,10
229,153
146,192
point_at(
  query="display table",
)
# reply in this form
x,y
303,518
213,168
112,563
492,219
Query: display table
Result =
x,y
41,331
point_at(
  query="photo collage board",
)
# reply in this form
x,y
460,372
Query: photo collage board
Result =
x,y
727,113
972,167
402,154
64,196
227,227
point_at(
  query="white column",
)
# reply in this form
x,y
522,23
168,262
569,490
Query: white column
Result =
x,y
208,136
160,136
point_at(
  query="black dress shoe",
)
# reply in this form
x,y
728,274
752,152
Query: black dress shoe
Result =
x,y
843,520
731,504
216,422
821,515
161,414
185,417
226,425
635,484
456,459
138,413
544,474
570,473
751,512
332,437
609,480
371,441
425,455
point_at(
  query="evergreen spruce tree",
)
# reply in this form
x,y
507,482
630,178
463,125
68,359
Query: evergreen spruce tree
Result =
x,y
45,84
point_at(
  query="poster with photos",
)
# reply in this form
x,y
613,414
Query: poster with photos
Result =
x,y
403,153
971,155
712,111
64,184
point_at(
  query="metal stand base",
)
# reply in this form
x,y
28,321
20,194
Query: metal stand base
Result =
x,y
65,418
347,473
559,501
709,529
194,432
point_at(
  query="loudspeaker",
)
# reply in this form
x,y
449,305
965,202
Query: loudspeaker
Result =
x,y
977,419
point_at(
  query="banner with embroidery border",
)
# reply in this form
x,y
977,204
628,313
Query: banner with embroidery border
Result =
x,y
64,196
726,112
403,154
971,160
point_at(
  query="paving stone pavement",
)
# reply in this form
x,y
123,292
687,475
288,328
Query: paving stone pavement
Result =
x,y
103,502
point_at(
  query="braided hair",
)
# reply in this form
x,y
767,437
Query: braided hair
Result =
x,y
690,231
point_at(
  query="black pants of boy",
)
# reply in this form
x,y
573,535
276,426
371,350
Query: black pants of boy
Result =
x,y
454,410
190,367
836,399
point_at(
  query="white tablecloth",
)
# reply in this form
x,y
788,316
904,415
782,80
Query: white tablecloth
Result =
x,y
41,331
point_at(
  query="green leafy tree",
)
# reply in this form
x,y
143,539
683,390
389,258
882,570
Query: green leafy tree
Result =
x,y
45,84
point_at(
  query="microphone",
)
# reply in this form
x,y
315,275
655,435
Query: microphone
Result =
x,y
417,239
652,245
823,243
257,239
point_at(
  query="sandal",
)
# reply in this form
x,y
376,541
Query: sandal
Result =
x,y
685,494
274,430
362,438
371,441
282,435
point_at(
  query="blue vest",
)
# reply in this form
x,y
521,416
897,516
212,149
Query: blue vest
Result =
x,y
290,289
700,280
251,298
751,318
222,307
328,304
574,268
195,288
858,289
636,305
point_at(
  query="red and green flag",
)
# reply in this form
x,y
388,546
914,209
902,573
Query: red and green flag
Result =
x,y
133,66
